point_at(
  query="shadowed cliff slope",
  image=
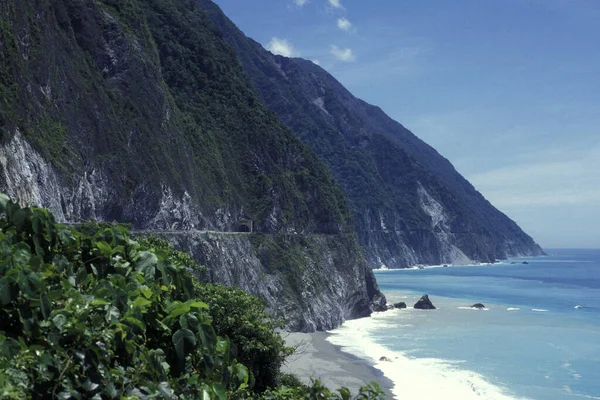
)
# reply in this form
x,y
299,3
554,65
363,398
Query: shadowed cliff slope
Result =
x,y
138,111
410,205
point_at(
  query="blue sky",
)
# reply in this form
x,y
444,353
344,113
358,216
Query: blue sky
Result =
x,y
508,91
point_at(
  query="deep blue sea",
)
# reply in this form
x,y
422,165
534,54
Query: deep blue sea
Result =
x,y
539,337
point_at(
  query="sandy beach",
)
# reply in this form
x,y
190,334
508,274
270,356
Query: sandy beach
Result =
x,y
316,358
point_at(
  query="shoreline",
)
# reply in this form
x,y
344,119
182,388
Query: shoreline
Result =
x,y
318,358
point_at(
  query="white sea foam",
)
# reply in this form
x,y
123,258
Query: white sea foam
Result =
x,y
512,309
414,378
539,310
578,306
474,308
425,266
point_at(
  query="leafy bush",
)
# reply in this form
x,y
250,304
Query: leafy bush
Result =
x,y
317,391
91,313
242,318
100,316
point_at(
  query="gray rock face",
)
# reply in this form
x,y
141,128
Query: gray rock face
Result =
x,y
312,282
410,205
424,303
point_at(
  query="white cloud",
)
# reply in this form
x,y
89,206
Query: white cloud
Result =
x,y
344,24
345,55
300,3
282,47
335,4
571,181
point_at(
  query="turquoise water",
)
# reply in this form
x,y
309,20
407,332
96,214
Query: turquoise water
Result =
x,y
553,354
538,339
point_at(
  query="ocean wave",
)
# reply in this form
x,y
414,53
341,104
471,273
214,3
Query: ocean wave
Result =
x,y
474,308
513,309
539,310
414,378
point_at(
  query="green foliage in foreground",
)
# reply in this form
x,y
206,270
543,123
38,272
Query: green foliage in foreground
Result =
x,y
238,315
100,316
91,313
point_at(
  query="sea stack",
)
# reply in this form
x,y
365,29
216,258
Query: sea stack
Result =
x,y
424,303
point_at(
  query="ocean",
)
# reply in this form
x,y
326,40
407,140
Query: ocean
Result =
x,y
538,338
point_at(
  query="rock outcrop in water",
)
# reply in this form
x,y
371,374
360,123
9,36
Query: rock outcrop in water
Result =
x,y
410,205
424,303
139,112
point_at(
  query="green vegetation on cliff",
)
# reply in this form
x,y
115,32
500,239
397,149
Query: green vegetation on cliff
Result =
x,y
148,93
92,313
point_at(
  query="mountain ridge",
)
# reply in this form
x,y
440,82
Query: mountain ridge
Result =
x,y
410,204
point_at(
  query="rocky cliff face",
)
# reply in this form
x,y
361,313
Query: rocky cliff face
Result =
x,y
313,282
410,205
138,111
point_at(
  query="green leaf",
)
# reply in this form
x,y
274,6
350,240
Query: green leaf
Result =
x,y
147,292
59,321
199,304
120,299
135,322
176,309
99,302
19,218
207,335
180,338
110,390
90,386
29,283
10,348
163,326
141,302
81,275
345,393
105,249
54,295
45,305
189,321
36,224
165,389
21,253
5,291
241,373
219,390
146,262
119,237
112,315
65,235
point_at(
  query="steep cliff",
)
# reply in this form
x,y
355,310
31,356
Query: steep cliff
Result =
x,y
138,111
410,205
313,282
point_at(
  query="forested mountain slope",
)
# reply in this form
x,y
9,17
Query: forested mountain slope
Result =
x,y
138,111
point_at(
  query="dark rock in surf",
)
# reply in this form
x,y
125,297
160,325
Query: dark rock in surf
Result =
x,y
424,303
400,305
